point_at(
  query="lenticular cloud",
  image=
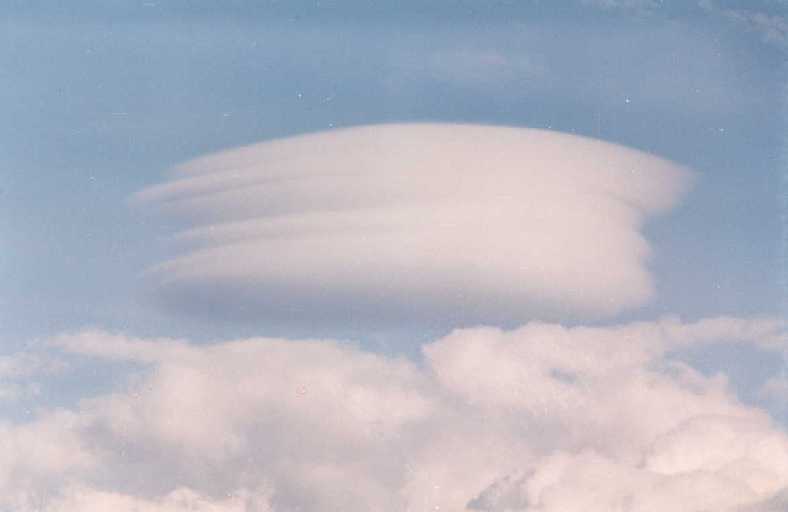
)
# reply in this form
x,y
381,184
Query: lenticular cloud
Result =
x,y
465,222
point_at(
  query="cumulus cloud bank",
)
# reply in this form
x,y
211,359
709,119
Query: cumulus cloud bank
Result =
x,y
540,419
469,223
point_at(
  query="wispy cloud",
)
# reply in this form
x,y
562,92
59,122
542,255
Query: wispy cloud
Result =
x,y
20,372
772,26
638,5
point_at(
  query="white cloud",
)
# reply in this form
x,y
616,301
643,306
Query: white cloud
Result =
x,y
778,503
482,223
542,419
179,500
589,481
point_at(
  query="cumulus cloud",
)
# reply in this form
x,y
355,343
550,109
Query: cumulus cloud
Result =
x,y
543,418
179,500
460,222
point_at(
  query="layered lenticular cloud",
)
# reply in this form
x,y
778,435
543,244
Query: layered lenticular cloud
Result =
x,y
471,223
482,222
539,419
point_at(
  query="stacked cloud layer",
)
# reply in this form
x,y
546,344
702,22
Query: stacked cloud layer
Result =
x,y
458,222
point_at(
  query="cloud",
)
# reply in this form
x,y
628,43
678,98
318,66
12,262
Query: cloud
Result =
x,y
543,418
772,26
428,221
179,500
777,504
775,390
636,5
18,373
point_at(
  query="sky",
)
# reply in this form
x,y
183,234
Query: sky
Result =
x,y
456,255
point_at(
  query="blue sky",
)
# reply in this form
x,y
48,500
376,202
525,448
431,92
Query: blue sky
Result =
x,y
100,99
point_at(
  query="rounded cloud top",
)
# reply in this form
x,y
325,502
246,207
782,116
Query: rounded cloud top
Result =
x,y
460,223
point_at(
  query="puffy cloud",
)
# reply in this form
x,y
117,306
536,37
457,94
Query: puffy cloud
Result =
x,y
778,503
179,500
588,481
543,418
457,222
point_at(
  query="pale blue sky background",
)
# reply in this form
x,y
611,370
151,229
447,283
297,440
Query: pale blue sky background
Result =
x,y
100,98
